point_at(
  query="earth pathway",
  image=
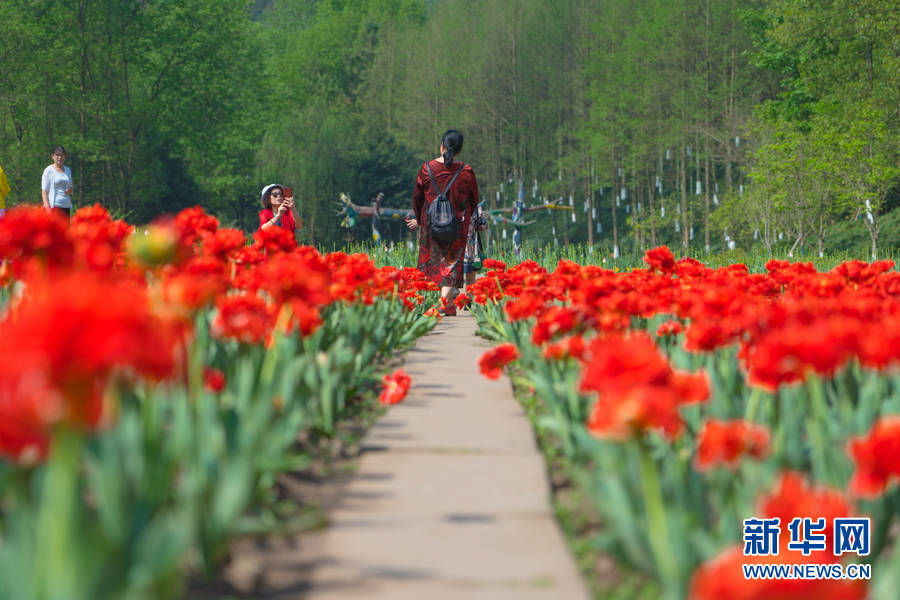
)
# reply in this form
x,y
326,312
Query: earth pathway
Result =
x,y
450,500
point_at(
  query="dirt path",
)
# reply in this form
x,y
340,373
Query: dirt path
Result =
x,y
450,499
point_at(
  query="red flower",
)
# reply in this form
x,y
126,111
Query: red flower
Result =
x,y
787,352
275,239
350,275
724,442
298,275
620,362
571,347
97,239
638,389
32,237
246,318
249,255
194,286
669,328
660,259
304,316
493,361
396,385
556,320
877,458
525,306
64,341
723,577
491,263
794,498
224,243
461,301
879,343
857,271
213,379
95,214
29,403
194,222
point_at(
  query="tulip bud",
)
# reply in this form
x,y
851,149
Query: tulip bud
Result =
x,y
156,248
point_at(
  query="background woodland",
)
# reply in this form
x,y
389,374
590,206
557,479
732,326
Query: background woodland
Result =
x,y
703,125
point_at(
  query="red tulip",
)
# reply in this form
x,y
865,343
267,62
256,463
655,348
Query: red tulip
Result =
x,y
725,442
493,361
396,386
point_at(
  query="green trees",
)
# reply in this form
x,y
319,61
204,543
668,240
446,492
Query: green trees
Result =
x,y
839,64
325,134
132,88
645,115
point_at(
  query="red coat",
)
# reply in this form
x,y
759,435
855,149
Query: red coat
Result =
x,y
287,219
444,264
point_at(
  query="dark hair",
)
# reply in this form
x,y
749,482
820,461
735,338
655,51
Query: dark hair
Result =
x,y
453,142
267,197
59,149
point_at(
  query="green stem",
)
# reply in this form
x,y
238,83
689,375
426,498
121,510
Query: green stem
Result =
x,y
56,570
270,361
657,528
753,404
816,425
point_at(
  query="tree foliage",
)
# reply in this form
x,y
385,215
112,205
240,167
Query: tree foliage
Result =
x,y
656,120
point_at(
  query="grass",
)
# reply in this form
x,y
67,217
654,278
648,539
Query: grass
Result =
x,y
403,255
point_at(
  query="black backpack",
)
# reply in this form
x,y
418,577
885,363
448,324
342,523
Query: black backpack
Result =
x,y
442,222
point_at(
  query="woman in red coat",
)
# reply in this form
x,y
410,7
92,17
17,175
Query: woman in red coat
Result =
x,y
443,263
277,210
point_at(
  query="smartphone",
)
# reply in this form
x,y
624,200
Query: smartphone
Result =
x,y
288,192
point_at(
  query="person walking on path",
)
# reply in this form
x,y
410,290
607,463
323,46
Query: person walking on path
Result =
x,y
442,263
474,248
57,184
277,209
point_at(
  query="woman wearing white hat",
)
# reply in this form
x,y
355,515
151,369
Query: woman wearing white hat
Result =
x,y
278,210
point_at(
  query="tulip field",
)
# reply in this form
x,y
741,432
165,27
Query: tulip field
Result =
x,y
155,383
152,387
684,400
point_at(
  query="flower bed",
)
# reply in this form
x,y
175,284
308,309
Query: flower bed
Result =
x,y
689,399
153,385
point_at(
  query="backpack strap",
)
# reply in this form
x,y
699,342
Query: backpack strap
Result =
x,y
434,184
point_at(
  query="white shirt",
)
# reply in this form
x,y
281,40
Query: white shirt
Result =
x,y
55,184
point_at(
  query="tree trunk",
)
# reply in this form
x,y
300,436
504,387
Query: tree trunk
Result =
x,y
588,199
682,176
651,209
612,204
706,198
632,199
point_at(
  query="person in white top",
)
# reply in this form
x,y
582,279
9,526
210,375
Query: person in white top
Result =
x,y
57,184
